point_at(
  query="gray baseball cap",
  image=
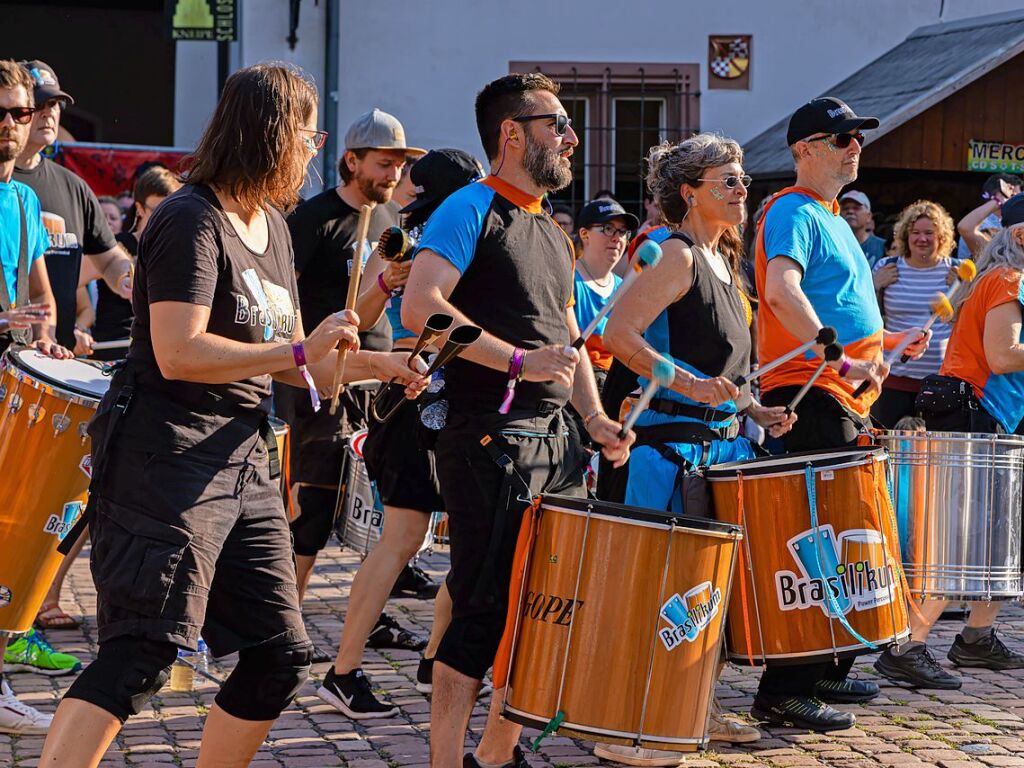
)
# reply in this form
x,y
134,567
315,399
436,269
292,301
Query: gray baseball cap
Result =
x,y
378,130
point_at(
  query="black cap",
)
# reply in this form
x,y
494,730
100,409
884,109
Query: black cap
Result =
x,y
1013,210
436,175
602,210
44,81
825,115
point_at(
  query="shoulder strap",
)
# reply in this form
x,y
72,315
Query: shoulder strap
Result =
x,y
681,236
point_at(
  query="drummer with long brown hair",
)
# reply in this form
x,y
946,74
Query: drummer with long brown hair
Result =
x,y
979,389
690,307
189,532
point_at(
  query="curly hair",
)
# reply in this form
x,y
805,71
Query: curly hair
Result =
x,y
936,214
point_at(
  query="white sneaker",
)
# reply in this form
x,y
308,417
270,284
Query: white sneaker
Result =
x,y
647,758
19,718
729,730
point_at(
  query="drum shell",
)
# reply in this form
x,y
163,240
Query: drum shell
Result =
x,y
622,684
282,439
958,508
854,515
43,474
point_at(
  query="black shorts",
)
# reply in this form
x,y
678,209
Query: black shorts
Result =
x,y
187,543
398,464
471,483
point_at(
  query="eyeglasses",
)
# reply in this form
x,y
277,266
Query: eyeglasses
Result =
x,y
19,115
732,181
840,140
318,140
610,230
562,122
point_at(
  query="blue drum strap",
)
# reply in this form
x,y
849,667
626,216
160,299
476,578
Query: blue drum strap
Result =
x,y
812,502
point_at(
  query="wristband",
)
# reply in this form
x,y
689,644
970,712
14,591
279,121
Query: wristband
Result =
x,y
515,372
299,355
382,285
591,416
845,367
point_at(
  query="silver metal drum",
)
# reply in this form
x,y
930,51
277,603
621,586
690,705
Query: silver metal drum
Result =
x,y
958,507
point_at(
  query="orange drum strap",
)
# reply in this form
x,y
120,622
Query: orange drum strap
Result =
x,y
524,544
744,563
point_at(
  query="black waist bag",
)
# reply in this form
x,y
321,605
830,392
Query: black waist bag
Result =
x,y
945,394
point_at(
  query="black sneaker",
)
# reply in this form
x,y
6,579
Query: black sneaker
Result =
x,y
351,694
518,760
320,655
918,668
425,679
388,634
989,652
801,712
413,582
846,691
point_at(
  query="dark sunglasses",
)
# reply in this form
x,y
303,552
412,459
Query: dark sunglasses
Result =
x,y
562,122
840,140
19,115
732,181
319,138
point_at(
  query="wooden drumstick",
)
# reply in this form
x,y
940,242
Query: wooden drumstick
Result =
x,y
826,336
833,352
362,229
115,344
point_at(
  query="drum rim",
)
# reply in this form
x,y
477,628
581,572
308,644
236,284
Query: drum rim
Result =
x,y
784,464
13,363
650,517
909,434
529,719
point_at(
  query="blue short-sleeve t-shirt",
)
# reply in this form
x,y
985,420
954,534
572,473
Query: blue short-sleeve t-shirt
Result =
x,y
10,230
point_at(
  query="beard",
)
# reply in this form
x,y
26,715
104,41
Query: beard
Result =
x,y
371,191
545,166
10,147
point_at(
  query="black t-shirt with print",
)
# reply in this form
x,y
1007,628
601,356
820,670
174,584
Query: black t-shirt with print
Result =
x,y
323,231
75,222
191,253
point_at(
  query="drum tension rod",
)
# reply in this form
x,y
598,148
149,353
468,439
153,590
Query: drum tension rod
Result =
x,y
550,728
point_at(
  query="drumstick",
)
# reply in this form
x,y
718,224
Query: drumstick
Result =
x,y
362,228
115,344
900,349
826,336
833,352
662,375
647,255
942,305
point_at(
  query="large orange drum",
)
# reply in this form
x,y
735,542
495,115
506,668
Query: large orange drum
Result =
x,y
620,622
45,405
819,575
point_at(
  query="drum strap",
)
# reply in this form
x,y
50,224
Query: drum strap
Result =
x,y
812,503
273,457
19,335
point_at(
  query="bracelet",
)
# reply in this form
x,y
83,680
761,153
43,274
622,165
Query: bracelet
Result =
x,y
383,285
299,355
591,416
515,372
845,367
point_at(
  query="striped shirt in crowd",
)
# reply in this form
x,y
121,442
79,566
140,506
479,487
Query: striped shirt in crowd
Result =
x,y
907,304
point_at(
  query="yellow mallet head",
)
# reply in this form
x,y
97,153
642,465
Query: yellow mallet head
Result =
x,y
942,307
966,270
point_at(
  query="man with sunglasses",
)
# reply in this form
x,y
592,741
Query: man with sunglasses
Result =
x,y
491,256
811,273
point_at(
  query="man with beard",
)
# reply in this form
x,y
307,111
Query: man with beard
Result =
x,y
323,231
811,273
492,257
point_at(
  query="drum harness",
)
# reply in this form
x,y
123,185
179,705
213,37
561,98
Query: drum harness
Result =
x,y
123,370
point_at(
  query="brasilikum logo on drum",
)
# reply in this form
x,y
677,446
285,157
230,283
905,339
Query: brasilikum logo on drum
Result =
x,y
853,565
689,615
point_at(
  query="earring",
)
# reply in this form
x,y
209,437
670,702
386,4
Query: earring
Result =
x,y
689,200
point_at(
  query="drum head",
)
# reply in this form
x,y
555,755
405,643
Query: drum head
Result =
x,y
794,463
74,376
638,514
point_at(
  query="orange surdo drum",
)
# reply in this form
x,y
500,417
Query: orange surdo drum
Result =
x,y
819,575
45,405
619,622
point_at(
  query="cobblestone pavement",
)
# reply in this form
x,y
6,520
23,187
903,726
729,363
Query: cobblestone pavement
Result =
x,y
980,725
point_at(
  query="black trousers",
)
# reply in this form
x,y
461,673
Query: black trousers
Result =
x,y
822,423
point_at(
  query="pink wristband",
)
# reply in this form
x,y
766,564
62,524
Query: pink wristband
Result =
x,y
845,367
515,370
382,285
299,355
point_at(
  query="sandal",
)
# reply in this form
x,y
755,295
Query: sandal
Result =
x,y
51,616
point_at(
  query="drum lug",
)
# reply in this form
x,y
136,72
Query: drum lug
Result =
x,y
15,404
83,431
61,423
35,413
3,391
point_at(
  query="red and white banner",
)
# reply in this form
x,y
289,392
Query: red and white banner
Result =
x,y
109,169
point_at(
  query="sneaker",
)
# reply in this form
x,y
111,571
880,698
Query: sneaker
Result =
x,y
425,680
388,634
989,652
801,712
618,753
728,729
351,694
414,582
31,653
518,760
19,718
917,667
848,691
320,655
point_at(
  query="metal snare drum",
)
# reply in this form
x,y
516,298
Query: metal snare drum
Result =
x,y
958,508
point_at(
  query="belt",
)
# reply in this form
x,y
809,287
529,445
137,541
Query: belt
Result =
x,y
701,412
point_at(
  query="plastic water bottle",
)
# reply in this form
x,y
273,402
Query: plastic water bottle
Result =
x,y
202,657
182,675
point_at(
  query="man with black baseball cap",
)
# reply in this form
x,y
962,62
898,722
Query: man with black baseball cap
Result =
x,y
811,273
